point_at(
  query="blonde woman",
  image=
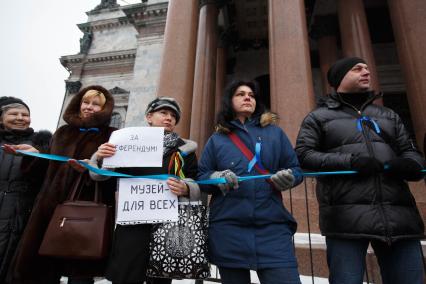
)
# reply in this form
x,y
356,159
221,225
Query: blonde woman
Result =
x,y
87,117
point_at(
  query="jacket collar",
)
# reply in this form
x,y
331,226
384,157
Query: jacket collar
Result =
x,y
14,134
267,118
333,101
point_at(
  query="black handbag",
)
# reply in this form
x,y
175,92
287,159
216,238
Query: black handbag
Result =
x,y
79,229
179,250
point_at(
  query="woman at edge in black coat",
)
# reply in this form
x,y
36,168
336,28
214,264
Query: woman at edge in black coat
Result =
x,y
17,190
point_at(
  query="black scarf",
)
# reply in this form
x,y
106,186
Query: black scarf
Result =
x,y
170,141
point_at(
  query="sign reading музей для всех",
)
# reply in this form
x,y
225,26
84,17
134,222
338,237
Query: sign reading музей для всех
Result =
x,y
141,200
145,201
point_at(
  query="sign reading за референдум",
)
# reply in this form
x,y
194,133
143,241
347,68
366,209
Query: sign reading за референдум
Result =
x,y
136,147
142,200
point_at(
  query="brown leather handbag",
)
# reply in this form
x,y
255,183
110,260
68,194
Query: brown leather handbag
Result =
x,y
79,229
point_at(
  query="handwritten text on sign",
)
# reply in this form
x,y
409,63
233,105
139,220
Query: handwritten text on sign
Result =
x,y
136,147
145,201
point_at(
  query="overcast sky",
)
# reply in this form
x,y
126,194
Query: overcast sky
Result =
x,y
35,34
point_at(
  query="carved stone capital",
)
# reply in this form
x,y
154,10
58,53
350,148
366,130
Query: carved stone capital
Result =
x,y
73,87
106,4
117,90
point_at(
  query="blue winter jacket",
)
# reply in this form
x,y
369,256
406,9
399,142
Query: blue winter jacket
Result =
x,y
249,227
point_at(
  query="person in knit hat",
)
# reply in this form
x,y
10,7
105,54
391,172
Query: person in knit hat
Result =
x,y
347,132
340,68
130,256
17,189
19,119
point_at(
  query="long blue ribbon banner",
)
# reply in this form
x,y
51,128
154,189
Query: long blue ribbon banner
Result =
x,y
166,176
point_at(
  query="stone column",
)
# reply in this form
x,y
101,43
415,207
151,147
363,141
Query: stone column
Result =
x,y
220,76
409,22
203,100
327,48
325,32
291,86
356,36
292,95
177,65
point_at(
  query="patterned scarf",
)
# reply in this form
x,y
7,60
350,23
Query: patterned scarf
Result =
x,y
170,141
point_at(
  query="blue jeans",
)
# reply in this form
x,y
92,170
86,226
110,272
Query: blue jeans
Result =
x,y
399,263
266,276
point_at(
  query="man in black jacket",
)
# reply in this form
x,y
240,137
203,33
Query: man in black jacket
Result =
x,y
349,132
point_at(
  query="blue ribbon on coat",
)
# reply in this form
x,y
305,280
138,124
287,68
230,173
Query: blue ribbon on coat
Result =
x,y
368,120
93,129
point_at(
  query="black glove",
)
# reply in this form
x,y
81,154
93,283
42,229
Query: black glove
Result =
x,y
405,168
366,165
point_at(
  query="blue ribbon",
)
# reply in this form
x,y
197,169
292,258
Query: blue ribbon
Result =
x,y
256,158
367,119
94,129
166,176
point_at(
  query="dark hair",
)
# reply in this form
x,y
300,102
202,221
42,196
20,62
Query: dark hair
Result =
x,y
226,113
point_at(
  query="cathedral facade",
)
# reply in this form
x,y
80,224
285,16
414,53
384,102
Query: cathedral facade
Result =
x,y
189,49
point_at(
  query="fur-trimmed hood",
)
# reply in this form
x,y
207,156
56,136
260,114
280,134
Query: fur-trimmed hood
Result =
x,y
267,118
101,118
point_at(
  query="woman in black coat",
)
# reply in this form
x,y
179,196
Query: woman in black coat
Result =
x,y
17,190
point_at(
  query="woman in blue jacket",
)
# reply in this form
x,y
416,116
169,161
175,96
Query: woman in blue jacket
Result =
x,y
249,227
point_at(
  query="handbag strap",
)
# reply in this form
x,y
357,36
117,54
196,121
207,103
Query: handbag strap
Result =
x,y
246,152
78,187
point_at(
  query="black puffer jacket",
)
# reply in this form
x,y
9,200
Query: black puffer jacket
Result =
x,y
376,207
17,192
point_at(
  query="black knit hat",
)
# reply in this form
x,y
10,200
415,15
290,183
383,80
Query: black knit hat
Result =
x,y
4,101
339,69
164,102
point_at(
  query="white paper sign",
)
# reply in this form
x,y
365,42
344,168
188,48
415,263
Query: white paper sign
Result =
x,y
136,147
145,201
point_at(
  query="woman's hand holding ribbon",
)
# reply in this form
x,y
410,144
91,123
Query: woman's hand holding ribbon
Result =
x,y
178,186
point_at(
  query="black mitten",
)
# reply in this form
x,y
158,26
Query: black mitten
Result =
x,y
366,165
405,168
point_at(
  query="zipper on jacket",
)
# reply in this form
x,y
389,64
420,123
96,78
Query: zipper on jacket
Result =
x,y
371,153
378,186
73,219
